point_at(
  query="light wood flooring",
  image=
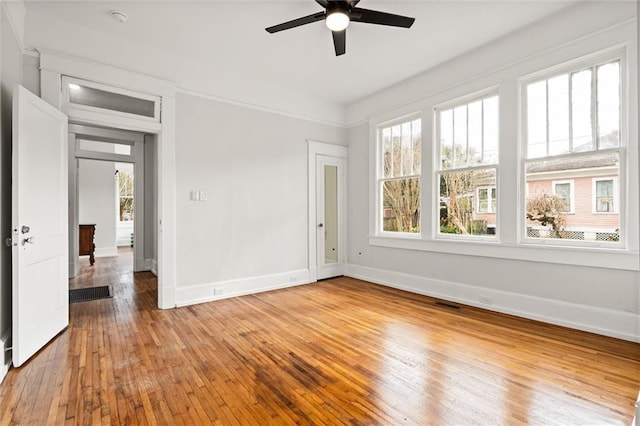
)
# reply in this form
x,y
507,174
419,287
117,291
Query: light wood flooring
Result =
x,y
342,351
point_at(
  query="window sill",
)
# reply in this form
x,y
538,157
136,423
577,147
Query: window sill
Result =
x,y
580,256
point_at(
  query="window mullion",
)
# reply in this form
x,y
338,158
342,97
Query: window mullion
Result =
x,y
570,112
546,101
594,108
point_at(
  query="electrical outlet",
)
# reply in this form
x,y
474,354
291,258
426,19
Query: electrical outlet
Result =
x,y
218,292
486,300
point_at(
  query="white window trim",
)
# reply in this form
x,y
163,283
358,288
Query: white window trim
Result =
x,y
589,61
380,179
572,193
594,195
71,108
511,243
437,152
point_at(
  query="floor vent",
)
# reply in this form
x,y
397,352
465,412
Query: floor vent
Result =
x,y
448,305
89,293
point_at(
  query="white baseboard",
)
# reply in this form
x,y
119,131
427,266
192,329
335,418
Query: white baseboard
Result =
x,y
151,265
5,358
106,251
608,322
190,295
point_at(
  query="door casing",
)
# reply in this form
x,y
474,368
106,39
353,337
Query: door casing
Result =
x,y
330,154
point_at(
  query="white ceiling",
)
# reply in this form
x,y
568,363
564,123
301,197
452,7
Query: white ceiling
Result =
x,y
221,47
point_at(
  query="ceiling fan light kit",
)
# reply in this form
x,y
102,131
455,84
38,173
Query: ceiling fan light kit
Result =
x,y
337,20
337,16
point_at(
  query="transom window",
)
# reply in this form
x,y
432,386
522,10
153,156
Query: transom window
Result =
x,y
572,139
466,173
399,181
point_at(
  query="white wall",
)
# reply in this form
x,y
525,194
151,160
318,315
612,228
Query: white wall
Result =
x,y
97,203
596,299
10,76
251,233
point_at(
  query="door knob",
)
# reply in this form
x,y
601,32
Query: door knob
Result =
x,y
30,240
25,229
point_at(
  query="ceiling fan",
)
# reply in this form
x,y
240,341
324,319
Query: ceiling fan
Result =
x,y
338,14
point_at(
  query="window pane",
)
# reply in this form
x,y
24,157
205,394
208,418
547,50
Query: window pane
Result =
x,y
96,146
416,136
83,95
581,111
558,88
491,130
546,212
609,105
537,119
475,133
401,205
407,155
446,139
457,200
460,136
387,154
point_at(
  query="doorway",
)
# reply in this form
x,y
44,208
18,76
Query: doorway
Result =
x,y
327,210
112,192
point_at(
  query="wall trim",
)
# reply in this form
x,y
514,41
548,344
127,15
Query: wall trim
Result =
x,y
249,105
200,293
5,359
608,322
152,266
106,251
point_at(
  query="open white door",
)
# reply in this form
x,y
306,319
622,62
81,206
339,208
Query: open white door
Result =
x,y
39,224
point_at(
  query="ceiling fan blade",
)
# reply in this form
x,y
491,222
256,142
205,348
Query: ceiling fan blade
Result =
x,y
323,3
340,41
368,16
296,22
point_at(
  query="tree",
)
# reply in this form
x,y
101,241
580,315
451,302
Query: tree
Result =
x,y
548,210
403,197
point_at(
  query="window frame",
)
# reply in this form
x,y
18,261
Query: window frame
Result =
x,y
592,61
380,179
437,170
511,243
594,195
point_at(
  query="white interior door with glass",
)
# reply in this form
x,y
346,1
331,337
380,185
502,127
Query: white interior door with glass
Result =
x,y
40,284
330,216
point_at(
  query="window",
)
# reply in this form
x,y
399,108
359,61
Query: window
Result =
x,y
125,195
486,200
467,167
604,195
399,176
572,137
564,191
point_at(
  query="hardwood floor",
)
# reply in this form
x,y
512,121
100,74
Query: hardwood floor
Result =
x,y
341,351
